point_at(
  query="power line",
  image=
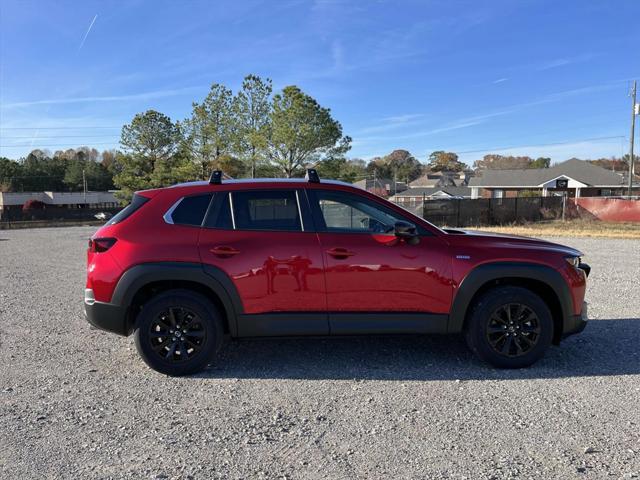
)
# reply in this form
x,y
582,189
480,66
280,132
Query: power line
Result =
x,y
53,128
63,136
36,146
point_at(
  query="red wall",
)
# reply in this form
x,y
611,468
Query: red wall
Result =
x,y
609,209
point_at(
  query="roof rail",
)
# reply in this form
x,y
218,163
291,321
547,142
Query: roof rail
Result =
x,y
216,177
312,176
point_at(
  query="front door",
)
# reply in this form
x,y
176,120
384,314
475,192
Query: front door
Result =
x,y
262,242
377,282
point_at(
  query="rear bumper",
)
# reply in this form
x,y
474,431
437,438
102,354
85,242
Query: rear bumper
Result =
x,y
579,322
105,316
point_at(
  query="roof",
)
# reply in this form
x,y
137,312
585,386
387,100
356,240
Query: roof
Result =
x,y
424,181
579,170
428,191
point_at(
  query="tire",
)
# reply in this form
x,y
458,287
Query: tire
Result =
x,y
509,327
175,352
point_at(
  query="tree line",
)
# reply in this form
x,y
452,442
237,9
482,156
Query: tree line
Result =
x,y
252,133
64,170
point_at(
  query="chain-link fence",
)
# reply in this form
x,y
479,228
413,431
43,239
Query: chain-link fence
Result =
x,y
486,211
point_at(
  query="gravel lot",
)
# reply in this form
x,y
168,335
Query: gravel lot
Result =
x,y
78,403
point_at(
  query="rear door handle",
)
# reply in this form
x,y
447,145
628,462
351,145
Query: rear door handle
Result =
x,y
339,252
224,251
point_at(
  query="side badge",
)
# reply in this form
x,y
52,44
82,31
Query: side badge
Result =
x,y
463,257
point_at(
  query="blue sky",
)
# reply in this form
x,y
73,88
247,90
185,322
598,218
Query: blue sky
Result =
x,y
541,77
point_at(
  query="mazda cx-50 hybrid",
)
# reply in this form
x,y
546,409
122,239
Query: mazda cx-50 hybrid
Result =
x,y
181,267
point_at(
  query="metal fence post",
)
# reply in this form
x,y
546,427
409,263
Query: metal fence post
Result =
x,y
490,219
515,209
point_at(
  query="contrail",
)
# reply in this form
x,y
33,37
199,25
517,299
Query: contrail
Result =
x,y
37,132
87,34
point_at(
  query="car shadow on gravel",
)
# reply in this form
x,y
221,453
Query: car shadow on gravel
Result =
x,y
606,347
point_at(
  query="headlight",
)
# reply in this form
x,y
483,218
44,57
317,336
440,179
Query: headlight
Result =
x,y
573,261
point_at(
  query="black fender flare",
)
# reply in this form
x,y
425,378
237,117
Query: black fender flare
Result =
x,y
488,272
208,276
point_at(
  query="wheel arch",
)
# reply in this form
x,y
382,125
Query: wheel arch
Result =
x,y
545,281
141,282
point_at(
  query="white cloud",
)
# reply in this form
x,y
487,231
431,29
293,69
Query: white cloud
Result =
x,y
561,62
403,118
108,98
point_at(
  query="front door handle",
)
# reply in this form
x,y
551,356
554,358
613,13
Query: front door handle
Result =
x,y
340,252
224,251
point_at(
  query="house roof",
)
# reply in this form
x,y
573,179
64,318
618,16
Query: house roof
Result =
x,y
579,170
428,191
424,181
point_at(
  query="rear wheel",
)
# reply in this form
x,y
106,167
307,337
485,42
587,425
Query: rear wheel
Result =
x,y
509,327
178,332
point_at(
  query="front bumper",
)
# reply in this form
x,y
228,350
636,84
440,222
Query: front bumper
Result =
x,y
105,316
579,321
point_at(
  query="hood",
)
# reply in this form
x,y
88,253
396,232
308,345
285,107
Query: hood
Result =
x,y
510,241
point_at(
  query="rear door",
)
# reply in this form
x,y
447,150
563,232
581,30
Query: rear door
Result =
x,y
262,239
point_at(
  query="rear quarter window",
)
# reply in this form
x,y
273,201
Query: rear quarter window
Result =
x,y
191,210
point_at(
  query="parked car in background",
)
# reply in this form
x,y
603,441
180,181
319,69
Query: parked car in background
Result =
x,y
103,215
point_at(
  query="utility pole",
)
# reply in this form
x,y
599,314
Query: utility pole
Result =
x,y
84,187
395,180
375,171
633,129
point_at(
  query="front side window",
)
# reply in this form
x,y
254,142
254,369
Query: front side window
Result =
x,y
345,212
266,210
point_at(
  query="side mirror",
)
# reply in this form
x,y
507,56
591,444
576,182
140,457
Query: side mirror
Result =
x,y
407,231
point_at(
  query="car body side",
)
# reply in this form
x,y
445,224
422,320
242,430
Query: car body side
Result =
x,y
151,255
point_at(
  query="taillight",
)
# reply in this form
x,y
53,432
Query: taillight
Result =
x,y
98,245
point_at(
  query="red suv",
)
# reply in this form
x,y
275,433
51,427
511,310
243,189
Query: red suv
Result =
x,y
182,266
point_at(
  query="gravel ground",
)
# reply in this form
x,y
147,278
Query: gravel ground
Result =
x,y
78,403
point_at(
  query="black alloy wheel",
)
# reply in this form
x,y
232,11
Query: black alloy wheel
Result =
x,y
509,327
513,329
177,334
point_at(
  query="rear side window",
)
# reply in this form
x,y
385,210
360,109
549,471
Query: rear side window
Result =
x,y
136,202
191,210
220,213
266,210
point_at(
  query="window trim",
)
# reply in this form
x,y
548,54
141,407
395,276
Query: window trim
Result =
x,y
167,215
233,215
299,210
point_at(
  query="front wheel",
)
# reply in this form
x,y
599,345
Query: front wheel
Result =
x,y
178,332
509,327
